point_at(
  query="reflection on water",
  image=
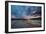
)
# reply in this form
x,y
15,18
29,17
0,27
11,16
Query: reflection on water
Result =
x,y
25,23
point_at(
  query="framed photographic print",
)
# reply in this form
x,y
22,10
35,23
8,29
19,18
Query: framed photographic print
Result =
x,y
24,16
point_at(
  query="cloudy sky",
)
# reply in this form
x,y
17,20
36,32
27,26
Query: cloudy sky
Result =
x,y
21,11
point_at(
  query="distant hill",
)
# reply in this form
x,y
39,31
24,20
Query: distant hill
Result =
x,y
33,18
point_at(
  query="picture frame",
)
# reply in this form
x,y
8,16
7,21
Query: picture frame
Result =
x,y
33,6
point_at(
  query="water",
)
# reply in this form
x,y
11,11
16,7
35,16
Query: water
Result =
x,y
25,23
